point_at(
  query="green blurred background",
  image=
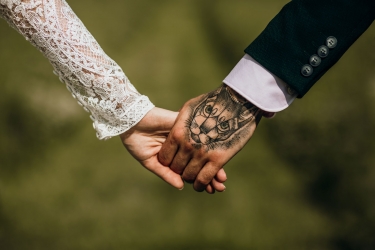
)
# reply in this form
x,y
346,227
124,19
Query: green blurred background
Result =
x,y
306,180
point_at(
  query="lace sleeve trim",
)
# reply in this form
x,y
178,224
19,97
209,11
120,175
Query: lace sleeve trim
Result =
x,y
94,79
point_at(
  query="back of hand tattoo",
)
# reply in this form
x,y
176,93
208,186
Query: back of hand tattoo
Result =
x,y
219,118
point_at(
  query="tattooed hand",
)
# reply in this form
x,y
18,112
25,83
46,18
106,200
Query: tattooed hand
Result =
x,y
208,132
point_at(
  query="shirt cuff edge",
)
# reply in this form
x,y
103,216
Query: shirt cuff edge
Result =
x,y
278,109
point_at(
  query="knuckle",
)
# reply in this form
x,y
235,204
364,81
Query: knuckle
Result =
x,y
217,159
188,147
164,162
171,139
189,178
203,180
201,153
178,135
176,168
163,158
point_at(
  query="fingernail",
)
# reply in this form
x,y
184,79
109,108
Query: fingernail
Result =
x,y
181,188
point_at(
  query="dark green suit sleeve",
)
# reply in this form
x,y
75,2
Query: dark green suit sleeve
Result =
x,y
300,28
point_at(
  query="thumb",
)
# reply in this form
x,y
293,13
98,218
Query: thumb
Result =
x,y
161,119
165,173
168,118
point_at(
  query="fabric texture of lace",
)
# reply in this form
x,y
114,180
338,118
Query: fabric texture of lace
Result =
x,y
94,79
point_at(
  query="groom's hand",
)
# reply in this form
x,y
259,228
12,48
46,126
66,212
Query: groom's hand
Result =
x,y
210,129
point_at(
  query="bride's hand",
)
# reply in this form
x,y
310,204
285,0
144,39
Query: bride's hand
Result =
x,y
144,140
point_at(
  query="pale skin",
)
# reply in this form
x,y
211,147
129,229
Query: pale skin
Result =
x,y
210,129
144,141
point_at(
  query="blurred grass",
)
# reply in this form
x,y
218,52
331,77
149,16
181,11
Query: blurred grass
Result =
x,y
305,181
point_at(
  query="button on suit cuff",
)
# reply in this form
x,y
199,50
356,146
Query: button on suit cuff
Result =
x,y
259,86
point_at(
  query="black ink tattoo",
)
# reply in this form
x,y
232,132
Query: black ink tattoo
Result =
x,y
217,119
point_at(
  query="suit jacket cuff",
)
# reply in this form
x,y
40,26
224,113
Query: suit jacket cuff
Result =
x,y
259,86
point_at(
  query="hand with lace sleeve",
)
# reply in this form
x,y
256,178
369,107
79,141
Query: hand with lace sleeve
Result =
x,y
95,80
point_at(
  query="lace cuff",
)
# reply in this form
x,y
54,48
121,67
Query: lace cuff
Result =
x,y
94,79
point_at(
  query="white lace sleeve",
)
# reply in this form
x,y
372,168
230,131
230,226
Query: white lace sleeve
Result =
x,y
94,79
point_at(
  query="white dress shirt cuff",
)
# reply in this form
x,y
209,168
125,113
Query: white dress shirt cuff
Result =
x,y
259,86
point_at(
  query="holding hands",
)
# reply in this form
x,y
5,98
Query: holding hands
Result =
x,y
195,144
210,129
144,141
